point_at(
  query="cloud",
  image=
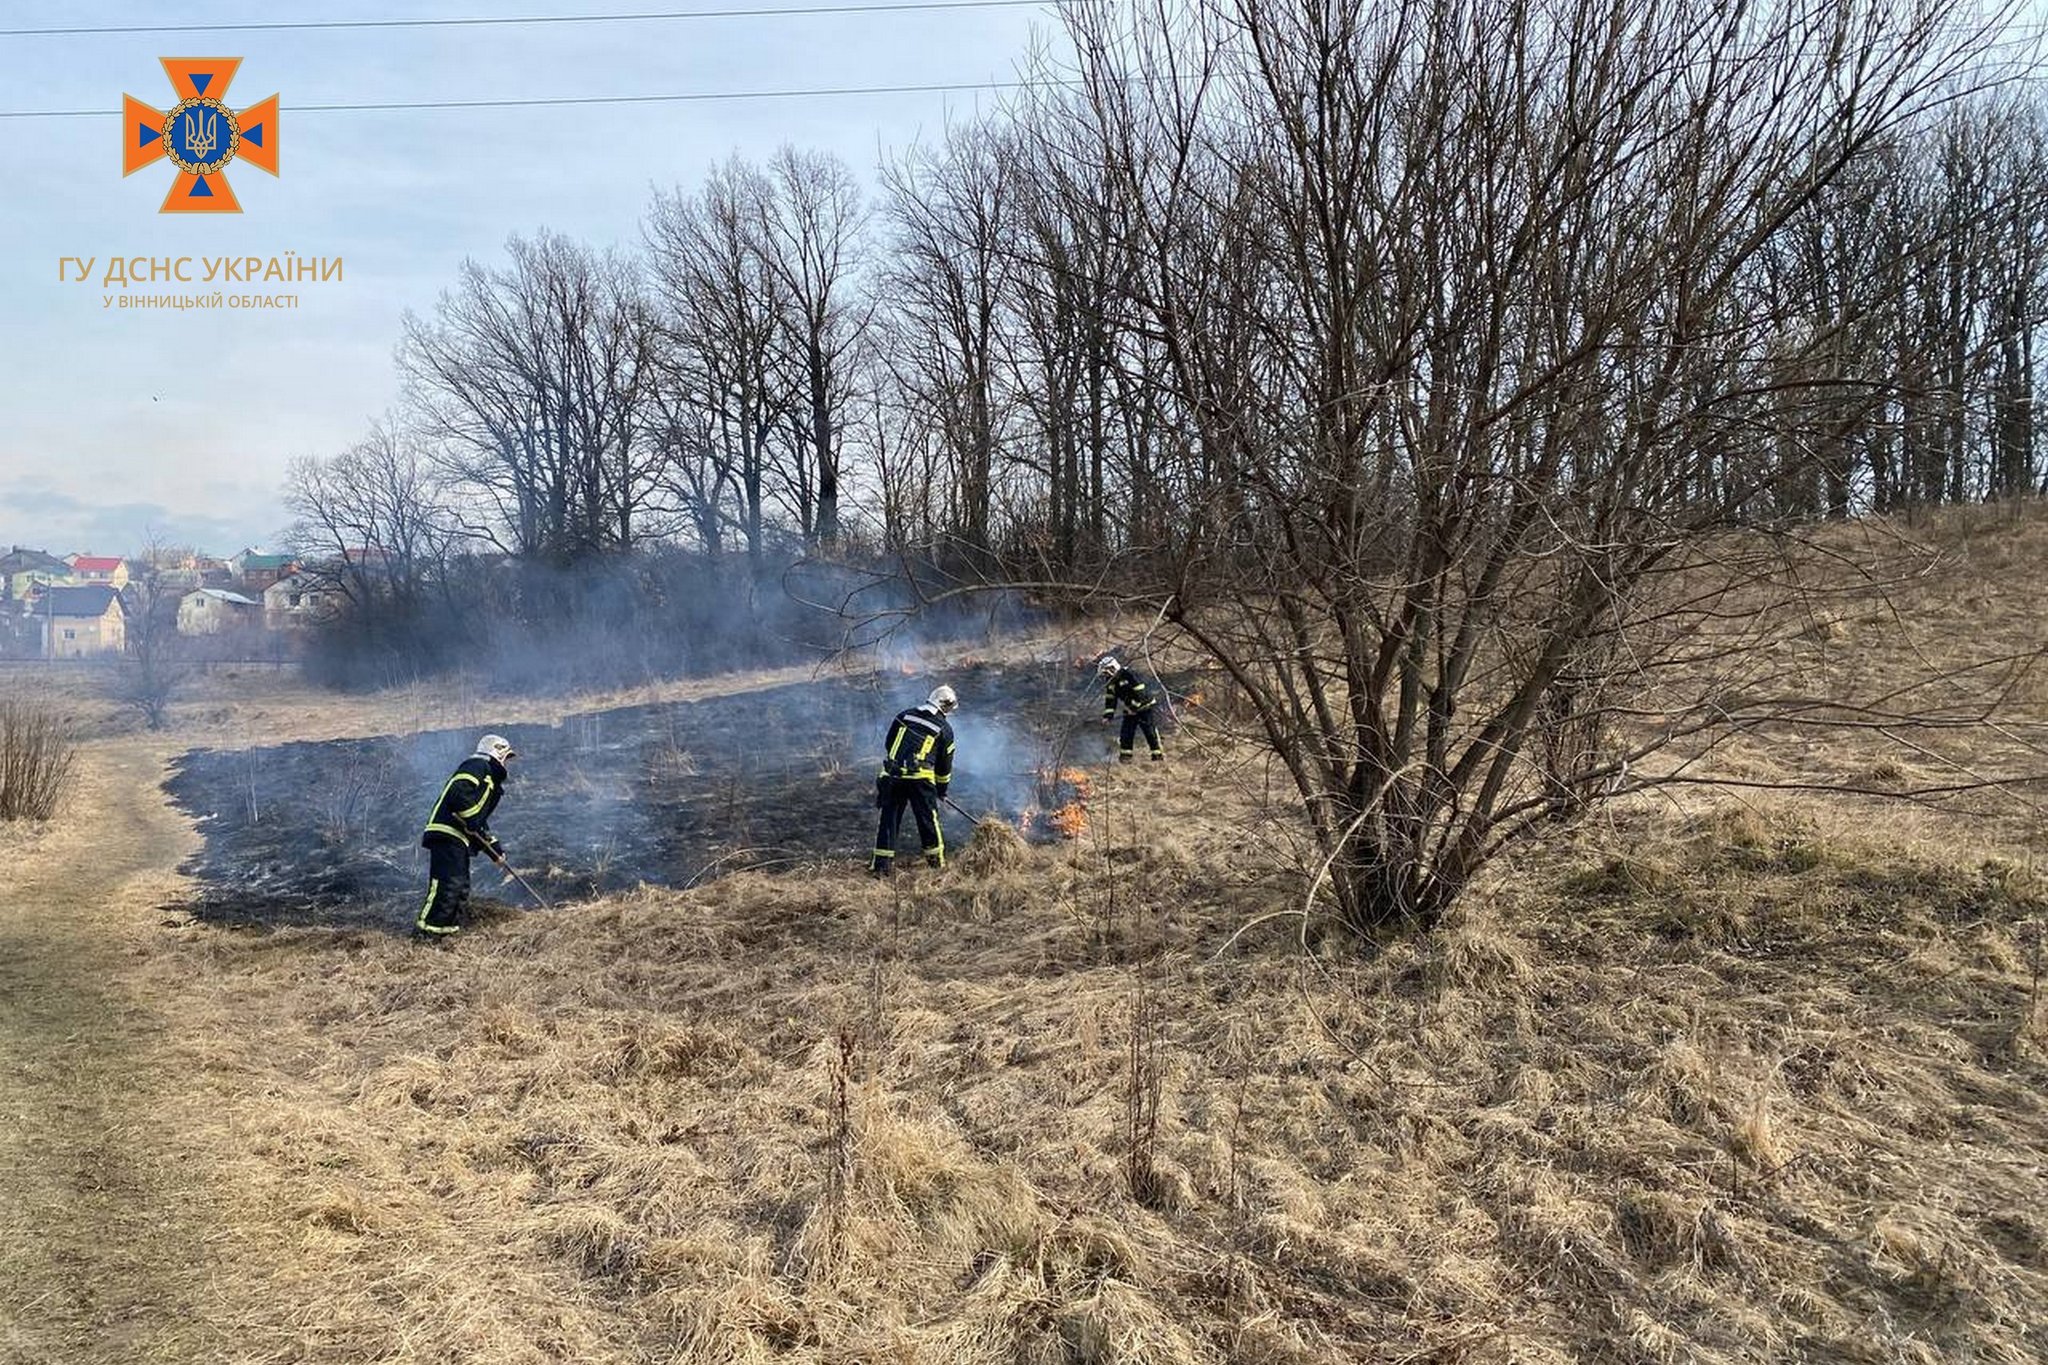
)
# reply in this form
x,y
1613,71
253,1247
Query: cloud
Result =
x,y
35,514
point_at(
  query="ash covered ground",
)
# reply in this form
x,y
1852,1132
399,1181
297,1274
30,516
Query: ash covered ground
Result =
x,y
328,833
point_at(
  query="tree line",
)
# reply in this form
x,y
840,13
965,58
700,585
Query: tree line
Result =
x,y
980,357
1402,356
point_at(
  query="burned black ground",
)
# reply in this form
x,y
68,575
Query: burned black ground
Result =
x,y
327,833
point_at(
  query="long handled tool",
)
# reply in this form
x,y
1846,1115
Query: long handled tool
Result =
x,y
513,873
970,819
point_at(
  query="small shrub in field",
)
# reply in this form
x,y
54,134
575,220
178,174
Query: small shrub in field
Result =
x,y
36,750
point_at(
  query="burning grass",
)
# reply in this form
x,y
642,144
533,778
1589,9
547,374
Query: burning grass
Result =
x,y
1069,821
1059,809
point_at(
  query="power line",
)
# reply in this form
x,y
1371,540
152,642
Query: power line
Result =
x,y
484,21
810,92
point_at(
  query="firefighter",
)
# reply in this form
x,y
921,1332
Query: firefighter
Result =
x,y
917,767
459,827
1139,700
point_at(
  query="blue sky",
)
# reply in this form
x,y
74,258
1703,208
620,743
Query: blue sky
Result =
x,y
117,423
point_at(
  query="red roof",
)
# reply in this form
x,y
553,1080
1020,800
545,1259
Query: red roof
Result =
x,y
95,564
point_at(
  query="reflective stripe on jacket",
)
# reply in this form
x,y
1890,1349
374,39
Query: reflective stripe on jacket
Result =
x,y
919,745
466,802
1130,689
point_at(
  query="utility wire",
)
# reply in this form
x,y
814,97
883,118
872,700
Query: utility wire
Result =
x,y
810,92
483,21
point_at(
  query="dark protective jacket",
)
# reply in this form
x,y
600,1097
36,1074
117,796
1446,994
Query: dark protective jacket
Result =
x,y
919,745
1127,687
464,811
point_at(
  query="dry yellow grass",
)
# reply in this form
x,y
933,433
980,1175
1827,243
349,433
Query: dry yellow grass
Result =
x,y
812,1118
1736,1082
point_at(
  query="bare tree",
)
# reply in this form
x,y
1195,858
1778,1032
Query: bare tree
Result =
x,y
722,398
1459,365
810,231
532,377
1075,352
156,668
948,281
373,522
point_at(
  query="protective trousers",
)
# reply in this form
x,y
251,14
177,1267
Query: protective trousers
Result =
x,y
922,799
1135,721
447,887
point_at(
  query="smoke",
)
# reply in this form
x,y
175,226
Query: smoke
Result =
x,y
528,628
665,793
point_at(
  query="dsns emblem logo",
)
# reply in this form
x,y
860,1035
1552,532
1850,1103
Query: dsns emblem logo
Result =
x,y
200,135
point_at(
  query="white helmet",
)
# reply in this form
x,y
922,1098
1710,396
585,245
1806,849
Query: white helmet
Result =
x,y
1109,667
944,698
496,746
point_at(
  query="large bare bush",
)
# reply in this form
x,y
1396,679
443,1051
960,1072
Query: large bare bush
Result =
x,y
36,754
1466,424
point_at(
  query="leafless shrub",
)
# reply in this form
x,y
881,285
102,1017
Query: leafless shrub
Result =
x,y
37,750
1143,1083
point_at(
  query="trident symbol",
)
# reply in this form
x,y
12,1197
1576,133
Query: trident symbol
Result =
x,y
201,131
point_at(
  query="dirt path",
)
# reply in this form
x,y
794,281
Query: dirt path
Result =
x,y
107,1241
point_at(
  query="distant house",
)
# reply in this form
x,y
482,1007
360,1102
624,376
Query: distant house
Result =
x,y
168,572
256,571
298,601
22,568
210,611
92,570
80,622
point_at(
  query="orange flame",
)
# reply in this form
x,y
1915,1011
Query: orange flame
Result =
x,y
1069,821
1079,780
1194,699
908,671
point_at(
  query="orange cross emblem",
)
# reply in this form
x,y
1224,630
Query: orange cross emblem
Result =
x,y
200,135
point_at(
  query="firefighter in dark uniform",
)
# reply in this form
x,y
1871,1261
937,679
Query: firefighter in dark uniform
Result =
x,y
917,766
1140,701
460,826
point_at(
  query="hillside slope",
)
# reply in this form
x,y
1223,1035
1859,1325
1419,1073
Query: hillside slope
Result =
x,y
1752,1088
1761,1076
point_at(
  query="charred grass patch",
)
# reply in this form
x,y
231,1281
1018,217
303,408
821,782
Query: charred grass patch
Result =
x,y
325,833
1745,1087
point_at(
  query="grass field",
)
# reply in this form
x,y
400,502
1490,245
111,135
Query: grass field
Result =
x,y
1745,1076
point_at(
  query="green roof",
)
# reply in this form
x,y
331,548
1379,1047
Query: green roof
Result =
x,y
266,561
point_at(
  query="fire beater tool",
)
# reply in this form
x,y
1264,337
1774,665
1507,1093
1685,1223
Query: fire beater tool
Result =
x,y
513,873
971,819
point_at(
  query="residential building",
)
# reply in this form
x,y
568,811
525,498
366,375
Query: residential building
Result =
x,y
170,571
80,622
93,570
298,601
22,568
211,611
255,571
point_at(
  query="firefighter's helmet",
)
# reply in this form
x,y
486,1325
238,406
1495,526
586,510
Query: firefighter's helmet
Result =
x,y
496,746
1109,667
944,698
